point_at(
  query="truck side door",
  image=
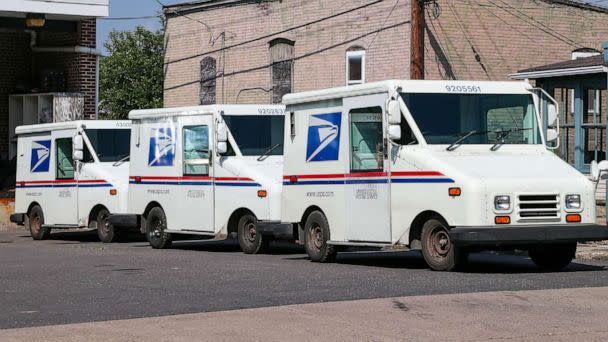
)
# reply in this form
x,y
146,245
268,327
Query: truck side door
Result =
x,y
367,194
196,183
63,204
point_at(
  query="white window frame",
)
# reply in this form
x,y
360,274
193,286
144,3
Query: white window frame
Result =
x,y
357,53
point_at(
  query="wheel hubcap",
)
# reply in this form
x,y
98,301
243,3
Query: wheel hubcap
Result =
x,y
250,231
157,231
316,236
36,223
440,242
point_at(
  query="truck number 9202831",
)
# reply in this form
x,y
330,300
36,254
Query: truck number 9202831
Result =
x,y
463,89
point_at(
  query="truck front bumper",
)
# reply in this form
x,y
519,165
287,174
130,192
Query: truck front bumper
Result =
x,y
124,220
18,219
527,235
275,230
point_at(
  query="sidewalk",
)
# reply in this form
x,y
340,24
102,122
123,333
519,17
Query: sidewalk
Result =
x,y
546,315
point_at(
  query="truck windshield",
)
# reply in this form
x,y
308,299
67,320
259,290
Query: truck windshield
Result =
x,y
474,118
257,134
111,145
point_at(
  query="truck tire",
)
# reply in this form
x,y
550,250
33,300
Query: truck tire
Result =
x,y
35,223
250,240
553,257
105,230
316,235
437,248
156,226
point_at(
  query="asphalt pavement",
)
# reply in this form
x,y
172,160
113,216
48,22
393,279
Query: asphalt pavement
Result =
x,y
72,278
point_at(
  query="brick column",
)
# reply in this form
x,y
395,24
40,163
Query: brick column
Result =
x,y
87,66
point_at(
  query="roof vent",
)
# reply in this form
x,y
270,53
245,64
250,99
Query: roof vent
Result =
x,y
584,52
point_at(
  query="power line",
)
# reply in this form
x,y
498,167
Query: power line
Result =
x,y
384,23
305,55
466,36
266,36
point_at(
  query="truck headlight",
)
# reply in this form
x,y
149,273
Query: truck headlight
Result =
x,y
573,201
502,202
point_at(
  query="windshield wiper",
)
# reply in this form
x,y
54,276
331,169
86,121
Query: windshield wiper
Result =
x,y
270,149
501,135
122,160
462,138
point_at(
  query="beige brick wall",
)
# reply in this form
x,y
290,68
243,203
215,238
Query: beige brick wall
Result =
x,y
507,35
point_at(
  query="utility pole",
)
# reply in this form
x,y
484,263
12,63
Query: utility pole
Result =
x,y
417,41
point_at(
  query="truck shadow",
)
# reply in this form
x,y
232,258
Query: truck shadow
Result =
x,y
231,245
74,237
483,263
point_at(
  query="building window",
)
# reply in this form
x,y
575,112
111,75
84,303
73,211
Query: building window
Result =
x,y
281,56
208,77
355,66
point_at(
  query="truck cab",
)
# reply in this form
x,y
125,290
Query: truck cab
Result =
x,y
71,175
448,167
208,172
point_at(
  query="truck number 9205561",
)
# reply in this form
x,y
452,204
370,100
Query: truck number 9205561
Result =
x,y
463,89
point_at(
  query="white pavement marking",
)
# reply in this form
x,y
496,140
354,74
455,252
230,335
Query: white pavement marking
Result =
x,y
544,315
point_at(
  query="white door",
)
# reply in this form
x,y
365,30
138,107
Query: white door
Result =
x,y
196,183
367,185
63,203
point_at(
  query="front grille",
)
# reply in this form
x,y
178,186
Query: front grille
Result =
x,y
538,207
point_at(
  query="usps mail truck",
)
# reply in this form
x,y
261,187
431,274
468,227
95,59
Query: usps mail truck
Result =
x,y
447,167
208,172
71,175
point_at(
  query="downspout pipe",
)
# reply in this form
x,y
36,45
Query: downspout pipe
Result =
x,y
605,47
68,49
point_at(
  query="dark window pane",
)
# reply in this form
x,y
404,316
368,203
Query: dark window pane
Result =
x,y
256,134
355,65
110,145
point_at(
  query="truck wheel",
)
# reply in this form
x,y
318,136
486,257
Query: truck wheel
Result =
x,y
553,257
105,230
35,223
316,235
250,241
156,226
437,248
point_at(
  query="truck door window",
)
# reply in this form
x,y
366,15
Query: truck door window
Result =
x,y
65,165
196,150
366,140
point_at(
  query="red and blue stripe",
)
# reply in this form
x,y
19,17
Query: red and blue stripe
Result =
x,y
368,178
64,183
193,180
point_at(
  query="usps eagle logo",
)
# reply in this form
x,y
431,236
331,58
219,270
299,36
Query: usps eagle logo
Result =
x,y
41,156
162,147
323,137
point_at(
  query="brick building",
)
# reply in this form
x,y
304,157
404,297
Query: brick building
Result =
x,y
49,56
48,72
265,48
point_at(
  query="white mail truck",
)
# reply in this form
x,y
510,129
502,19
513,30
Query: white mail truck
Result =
x,y
448,167
71,175
208,172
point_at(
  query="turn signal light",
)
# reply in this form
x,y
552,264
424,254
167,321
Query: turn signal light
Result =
x,y
454,192
262,193
573,218
293,179
502,220
113,192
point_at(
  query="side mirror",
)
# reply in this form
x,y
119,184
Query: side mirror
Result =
x,y
394,112
551,114
77,143
552,134
77,155
599,170
394,132
222,147
222,132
